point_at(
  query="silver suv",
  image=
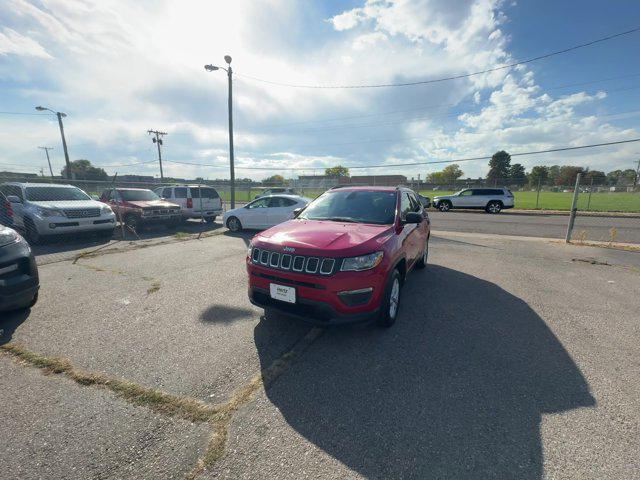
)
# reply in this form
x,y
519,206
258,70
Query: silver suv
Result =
x,y
42,209
491,200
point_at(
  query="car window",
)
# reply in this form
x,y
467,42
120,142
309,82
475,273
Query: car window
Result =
x,y
260,203
180,192
358,206
43,194
496,192
281,202
166,192
416,206
465,193
138,195
206,192
405,205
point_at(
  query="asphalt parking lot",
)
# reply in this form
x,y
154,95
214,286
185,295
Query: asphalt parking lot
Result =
x,y
510,359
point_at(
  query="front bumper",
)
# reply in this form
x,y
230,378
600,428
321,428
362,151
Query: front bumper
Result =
x,y
213,212
320,299
18,287
150,219
59,225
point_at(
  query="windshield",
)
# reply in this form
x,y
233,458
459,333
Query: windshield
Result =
x,y
360,206
138,195
44,194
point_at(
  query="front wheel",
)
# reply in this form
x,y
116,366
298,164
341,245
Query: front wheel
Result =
x,y
444,206
391,302
233,224
493,207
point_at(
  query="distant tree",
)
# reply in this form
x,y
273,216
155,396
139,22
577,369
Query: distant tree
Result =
x,y
568,174
628,177
554,173
517,174
499,167
539,175
274,180
337,171
599,178
448,175
83,170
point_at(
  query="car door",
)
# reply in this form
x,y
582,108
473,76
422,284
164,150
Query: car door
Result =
x,y
408,229
463,199
255,214
280,210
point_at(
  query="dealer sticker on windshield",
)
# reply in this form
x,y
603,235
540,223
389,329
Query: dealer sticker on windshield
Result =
x,y
281,292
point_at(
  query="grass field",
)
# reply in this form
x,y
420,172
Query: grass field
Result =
x,y
600,202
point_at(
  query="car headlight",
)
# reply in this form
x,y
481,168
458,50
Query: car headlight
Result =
x,y
7,236
249,248
105,210
363,262
49,212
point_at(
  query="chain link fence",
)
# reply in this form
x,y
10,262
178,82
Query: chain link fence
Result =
x,y
62,222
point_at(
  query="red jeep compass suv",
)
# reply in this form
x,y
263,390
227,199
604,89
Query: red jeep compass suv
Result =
x,y
343,258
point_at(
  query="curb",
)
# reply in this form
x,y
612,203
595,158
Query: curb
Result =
x,y
561,213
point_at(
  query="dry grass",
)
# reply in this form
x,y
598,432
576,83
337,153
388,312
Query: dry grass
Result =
x,y
218,416
155,286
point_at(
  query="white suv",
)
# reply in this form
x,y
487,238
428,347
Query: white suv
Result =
x,y
196,201
42,209
491,200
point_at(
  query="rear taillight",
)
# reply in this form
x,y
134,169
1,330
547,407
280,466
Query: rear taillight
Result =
x,y
9,209
189,202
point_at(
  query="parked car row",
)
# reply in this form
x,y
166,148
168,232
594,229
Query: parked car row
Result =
x,y
41,210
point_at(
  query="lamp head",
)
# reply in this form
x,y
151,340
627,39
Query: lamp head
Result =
x,y
210,68
227,59
40,109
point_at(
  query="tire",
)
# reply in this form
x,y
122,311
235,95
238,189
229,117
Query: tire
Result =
x,y
234,224
389,308
493,207
31,232
132,221
444,206
210,219
422,263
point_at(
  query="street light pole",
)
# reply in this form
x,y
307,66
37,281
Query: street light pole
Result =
x,y
60,115
229,70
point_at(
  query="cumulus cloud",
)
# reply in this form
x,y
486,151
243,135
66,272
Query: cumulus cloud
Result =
x,y
119,68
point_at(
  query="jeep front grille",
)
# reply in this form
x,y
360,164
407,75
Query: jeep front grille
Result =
x,y
295,263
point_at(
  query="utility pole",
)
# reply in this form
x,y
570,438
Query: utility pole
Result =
x,y
158,141
572,215
46,150
637,179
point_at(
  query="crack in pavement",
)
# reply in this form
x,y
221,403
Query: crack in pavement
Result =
x,y
218,416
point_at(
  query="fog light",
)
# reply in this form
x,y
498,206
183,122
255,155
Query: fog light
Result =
x,y
353,298
52,225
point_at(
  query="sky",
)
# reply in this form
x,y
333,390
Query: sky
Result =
x,y
119,68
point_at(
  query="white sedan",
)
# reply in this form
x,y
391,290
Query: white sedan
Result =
x,y
264,212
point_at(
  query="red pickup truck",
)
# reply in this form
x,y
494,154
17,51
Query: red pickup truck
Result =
x,y
344,258
139,207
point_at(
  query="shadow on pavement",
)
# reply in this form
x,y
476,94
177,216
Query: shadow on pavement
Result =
x,y
245,235
10,322
225,314
455,389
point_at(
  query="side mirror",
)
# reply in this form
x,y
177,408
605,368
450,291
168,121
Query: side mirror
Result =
x,y
14,199
413,217
96,198
297,212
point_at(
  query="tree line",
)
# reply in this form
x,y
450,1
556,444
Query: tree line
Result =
x,y
503,172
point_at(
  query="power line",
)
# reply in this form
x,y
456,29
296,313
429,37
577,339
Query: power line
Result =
x,y
454,77
486,157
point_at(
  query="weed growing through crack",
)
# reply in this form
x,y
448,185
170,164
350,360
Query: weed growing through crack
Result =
x,y
155,286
